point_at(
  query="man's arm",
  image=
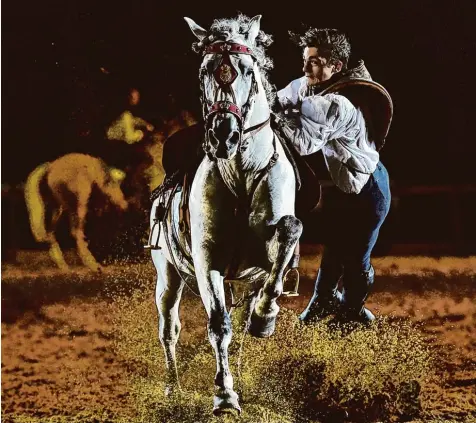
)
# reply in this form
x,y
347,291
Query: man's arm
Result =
x,y
142,124
321,119
288,97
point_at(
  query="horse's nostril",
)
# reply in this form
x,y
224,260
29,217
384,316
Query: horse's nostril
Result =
x,y
234,138
212,138
230,140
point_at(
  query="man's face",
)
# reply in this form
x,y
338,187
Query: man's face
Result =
x,y
316,68
134,97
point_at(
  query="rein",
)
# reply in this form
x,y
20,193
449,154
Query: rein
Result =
x,y
253,130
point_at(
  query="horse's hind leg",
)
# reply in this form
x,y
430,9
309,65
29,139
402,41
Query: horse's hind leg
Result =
x,y
78,222
263,318
167,297
55,251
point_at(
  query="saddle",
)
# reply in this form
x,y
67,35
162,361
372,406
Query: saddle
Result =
x,y
370,97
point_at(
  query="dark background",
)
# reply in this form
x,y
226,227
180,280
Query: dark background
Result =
x,y
55,97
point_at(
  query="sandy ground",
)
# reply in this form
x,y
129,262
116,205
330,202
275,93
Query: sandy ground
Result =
x,y
58,334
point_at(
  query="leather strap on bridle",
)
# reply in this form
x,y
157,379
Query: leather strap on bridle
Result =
x,y
225,47
225,107
253,130
225,74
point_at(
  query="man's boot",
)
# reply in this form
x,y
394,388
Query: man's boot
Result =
x,y
321,307
354,296
325,301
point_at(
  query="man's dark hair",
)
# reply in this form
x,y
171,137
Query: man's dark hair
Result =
x,y
333,44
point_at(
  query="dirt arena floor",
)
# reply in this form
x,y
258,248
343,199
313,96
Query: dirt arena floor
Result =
x,y
60,363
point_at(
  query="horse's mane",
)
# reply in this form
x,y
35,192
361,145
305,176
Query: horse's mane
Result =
x,y
227,29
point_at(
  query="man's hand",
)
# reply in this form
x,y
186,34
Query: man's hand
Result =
x,y
276,120
285,103
282,125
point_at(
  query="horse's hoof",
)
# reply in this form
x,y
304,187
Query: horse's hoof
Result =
x,y
226,402
262,326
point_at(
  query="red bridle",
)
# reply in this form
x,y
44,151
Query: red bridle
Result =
x,y
225,74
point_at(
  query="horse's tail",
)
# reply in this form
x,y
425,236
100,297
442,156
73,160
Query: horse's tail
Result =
x,y
35,203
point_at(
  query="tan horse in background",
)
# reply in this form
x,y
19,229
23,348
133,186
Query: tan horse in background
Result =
x,y
66,185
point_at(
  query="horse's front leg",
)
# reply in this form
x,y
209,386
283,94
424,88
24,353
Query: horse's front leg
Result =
x,y
167,298
211,217
55,251
78,223
274,218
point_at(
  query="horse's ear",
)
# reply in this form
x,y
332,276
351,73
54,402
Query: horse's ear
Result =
x,y
197,30
253,29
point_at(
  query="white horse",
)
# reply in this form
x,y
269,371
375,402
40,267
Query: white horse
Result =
x,y
245,169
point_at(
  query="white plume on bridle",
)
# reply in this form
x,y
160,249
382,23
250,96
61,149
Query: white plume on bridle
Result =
x,y
232,28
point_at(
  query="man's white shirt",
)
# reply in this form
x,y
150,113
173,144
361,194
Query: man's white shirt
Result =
x,y
332,123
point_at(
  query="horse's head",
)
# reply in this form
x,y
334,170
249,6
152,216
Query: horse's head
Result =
x,y
228,80
112,188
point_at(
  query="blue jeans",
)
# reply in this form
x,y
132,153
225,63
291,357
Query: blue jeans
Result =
x,y
352,223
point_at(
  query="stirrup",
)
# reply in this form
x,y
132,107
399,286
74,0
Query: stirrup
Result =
x,y
295,292
159,216
149,245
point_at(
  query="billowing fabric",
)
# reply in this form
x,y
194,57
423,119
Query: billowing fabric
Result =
x,y
331,123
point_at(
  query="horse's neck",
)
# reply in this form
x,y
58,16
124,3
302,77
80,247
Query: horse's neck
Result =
x,y
239,172
258,153
260,111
